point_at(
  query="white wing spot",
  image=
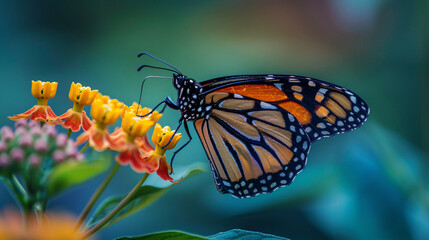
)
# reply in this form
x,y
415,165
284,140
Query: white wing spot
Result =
x,y
291,117
305,145
265,105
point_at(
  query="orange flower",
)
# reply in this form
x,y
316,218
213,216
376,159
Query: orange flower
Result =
x,y
50,228
41,112
105,112
155,160
76,117
130,139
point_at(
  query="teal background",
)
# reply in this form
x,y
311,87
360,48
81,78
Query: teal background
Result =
x,y
371,183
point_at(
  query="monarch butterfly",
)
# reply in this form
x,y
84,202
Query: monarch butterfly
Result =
x,y
257,129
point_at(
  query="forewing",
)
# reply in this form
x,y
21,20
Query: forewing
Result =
x,y
322,108
253,147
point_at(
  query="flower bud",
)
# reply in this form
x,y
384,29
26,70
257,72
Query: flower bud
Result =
x,y
41,145
21,131
21,123
58,156
61,140
17,154
4,160
6,133
34,160
32,124
49,130
25,140
3,146
36,131
71,150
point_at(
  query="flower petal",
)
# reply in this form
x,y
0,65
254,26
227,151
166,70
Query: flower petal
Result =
x,y
86,122
163,169
24,115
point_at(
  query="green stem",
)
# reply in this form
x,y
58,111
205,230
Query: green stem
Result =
x,y
84,148
96,195
18,185
118,208
69,133
16,194
40,211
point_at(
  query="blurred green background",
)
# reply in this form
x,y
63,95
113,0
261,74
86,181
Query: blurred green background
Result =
x,y
371,183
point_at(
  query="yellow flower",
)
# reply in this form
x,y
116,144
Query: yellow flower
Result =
x,y
161,136
138,110
130,140
155,160
135,126
105,112
82,95
76,117
43,91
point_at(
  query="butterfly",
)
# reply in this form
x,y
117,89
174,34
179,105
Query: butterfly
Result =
x,y
257,129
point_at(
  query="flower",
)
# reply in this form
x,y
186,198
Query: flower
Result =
x,y
76,117
155,160
41,112
131,138
105,112
51,227
31,144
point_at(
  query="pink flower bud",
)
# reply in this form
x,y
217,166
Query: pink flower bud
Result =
x,y
21,123
41,145
61,140
32,124
3,146
36,131
4,160
80,157
6,133
34,160
49,130
21,131
58,156
25,140
71,150
17,154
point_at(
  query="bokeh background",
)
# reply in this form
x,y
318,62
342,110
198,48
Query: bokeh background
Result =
x,y
371,183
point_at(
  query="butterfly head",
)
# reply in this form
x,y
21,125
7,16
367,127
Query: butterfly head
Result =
x,y
189,96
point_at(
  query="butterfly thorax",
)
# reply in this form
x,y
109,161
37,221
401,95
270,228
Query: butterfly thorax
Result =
x,y
189,97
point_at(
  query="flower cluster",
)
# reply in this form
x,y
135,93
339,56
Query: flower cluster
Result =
x,y
130,140
30,146
37,162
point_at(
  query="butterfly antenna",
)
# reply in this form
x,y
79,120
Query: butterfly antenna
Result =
x,y
149,66
147,54
141,89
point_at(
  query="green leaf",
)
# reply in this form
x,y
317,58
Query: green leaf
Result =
x,y
143,197
72,173
170,235
243,234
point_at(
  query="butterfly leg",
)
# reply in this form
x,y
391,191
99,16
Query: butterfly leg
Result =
x,y
168,102
184,145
